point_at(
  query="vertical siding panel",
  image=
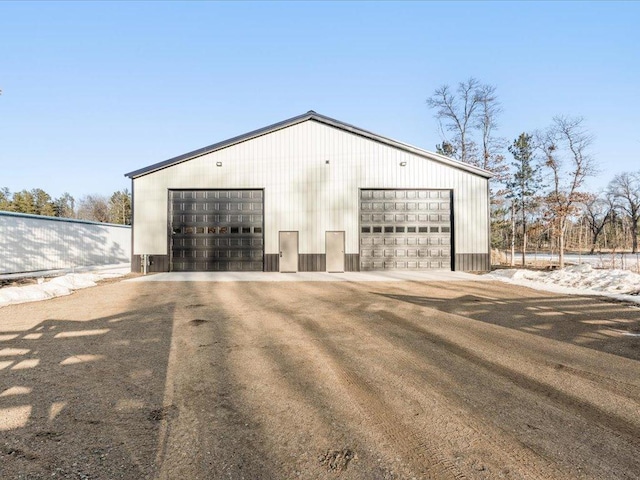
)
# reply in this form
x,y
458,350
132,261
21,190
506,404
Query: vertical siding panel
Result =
x,y
34,243
303,193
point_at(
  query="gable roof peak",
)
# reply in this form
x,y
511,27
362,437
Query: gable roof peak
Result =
x,y
315,116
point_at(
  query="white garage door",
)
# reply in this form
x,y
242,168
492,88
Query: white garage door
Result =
x,y
405,229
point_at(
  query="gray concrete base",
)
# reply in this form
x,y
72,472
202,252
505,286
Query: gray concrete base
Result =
x,y
431,276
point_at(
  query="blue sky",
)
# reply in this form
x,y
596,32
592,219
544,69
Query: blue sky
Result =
x,y
94,90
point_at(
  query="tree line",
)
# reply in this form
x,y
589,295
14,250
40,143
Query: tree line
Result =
x,y
538,196
115,208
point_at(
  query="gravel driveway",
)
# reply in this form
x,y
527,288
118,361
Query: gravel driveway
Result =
x,y
319,380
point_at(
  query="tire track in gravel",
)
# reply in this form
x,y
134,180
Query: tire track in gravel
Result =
x,y
535,358
585,409
457,426
380,413
519,406
407,374
308,396
422,455
209,434
620,388
371,353
539,389
559,391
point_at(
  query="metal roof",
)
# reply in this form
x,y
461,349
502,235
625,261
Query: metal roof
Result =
x,y
310,115
4,213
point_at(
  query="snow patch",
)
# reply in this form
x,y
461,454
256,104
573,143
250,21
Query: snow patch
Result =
x,y
56,287
580,279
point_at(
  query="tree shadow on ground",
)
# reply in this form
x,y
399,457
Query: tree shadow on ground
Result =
x,y
84,399
594,322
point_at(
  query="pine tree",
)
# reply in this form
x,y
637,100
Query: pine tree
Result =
x,y
447,149
526,182
64,206
5,199
42,202
120,207
23,202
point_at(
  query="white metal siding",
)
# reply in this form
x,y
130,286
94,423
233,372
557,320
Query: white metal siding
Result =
x,y
304,193
34,243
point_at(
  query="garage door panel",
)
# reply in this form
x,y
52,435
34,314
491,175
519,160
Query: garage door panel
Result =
x,y
405,219
224,234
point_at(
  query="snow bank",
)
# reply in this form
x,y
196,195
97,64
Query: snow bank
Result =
x,y
576,280
55,287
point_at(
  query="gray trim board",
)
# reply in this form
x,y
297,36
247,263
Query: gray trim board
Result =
x,y
271,262
489,221
473,262
132,231
158,263
312,262
351,262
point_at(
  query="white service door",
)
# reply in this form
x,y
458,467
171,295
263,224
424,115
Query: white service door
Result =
x,y
288,252
334,245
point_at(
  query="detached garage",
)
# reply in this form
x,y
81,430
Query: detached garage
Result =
x,y
310,194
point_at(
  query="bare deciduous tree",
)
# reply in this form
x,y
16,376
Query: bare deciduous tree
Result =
x,y
471,112
456,112
565,146
597,213
625,189
94,207
486,123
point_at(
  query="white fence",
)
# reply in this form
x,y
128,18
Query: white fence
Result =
x,y
30,243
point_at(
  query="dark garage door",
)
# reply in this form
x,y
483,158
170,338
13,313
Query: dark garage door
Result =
x,y
405,229
216,230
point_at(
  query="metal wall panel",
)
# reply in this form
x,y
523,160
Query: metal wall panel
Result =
x,y
311,174
33,243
